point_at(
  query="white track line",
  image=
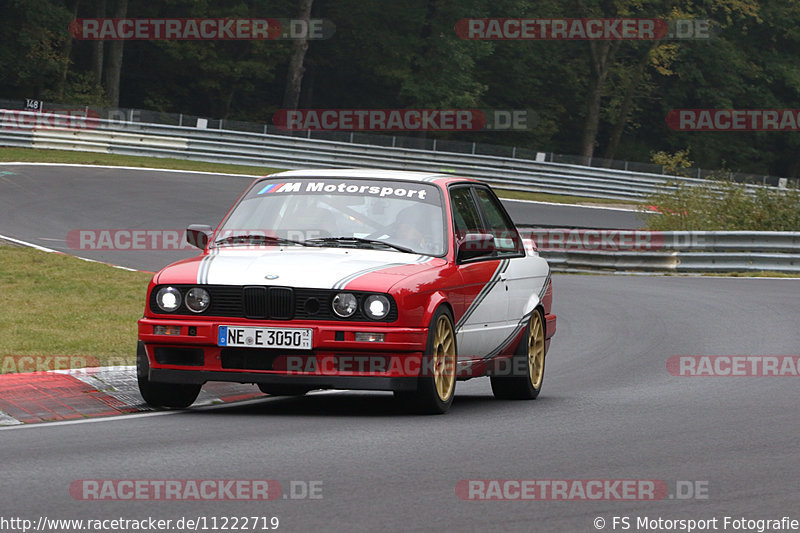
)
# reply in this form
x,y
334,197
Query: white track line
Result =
x,y
124,417
51,251
29,245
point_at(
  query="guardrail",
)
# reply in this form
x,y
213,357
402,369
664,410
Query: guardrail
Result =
x,y
572,250
236,147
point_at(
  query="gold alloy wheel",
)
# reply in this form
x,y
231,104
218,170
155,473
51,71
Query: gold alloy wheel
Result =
x,y
536,350
444,358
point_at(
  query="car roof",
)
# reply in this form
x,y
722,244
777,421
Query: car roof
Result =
x,y
402,175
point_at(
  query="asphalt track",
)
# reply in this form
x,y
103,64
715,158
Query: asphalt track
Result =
x,y
42,204
609,410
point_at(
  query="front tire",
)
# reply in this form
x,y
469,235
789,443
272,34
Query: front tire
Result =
x,y
172,395
437,382
530,356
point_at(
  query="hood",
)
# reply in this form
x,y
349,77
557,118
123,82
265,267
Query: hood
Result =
x,y
294,266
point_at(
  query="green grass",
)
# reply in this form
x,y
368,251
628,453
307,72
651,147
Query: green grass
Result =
x,y
560,198
53,304
35,155
764,274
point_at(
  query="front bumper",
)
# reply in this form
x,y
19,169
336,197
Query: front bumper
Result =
x,y
193,356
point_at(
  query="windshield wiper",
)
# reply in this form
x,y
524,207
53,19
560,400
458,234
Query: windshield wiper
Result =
x,y
361,240
238,239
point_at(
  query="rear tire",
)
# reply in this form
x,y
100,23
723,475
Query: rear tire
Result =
x,y
436,385
172,395
530,355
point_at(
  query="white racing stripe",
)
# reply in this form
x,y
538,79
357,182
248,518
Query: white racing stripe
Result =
x,y
298,267
501,267
342,283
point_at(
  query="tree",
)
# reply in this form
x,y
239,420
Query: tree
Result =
x,y
294,78
113,69
32,51
98,46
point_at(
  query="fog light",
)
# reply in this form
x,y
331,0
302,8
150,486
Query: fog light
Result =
x,y
363,336
166,330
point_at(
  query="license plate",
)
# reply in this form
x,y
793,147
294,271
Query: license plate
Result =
x,y
246,337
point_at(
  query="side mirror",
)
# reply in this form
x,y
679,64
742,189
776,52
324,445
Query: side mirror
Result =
x,y
475,245
198,235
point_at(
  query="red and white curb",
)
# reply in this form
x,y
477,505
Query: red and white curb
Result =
x,y
58,395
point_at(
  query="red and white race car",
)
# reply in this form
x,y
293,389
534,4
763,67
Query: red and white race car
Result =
x,y
352,279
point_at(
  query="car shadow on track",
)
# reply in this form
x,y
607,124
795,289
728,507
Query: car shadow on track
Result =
x,y
358,404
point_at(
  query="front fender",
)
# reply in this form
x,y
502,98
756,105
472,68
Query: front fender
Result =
x,y
436,299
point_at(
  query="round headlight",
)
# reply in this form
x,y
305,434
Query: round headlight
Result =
x,y
197,300
377,306
168,299
344,304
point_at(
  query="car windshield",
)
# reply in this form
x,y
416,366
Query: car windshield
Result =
x,y
349,212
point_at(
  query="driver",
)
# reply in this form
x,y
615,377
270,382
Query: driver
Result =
x,y
412,228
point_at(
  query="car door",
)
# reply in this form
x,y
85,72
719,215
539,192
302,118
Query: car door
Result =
x,y
482,297
517,276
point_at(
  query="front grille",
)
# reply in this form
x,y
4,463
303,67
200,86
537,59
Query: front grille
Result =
x,y
275,303
254,302
281,303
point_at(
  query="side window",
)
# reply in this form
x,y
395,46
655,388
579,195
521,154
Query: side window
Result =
x,y
465,214
506,238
